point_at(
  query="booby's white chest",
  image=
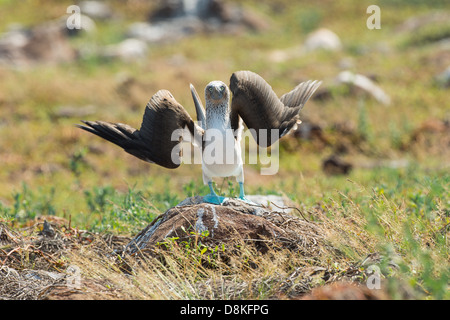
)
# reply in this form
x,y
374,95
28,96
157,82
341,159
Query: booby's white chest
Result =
x,y
222,152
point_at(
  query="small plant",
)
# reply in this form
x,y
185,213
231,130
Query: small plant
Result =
x,y
309,20
195,188
194,248
230,191
395,136
97,199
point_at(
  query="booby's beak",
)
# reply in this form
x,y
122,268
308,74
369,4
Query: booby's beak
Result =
x,y
216,92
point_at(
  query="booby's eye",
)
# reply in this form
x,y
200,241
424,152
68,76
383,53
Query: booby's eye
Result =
x,y
222,88
210,89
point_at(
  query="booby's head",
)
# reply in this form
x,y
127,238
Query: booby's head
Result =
x,y
217,92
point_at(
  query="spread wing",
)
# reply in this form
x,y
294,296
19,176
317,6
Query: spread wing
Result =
x,y
158,139
268,117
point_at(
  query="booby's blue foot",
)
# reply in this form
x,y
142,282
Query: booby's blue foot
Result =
x,y
214,199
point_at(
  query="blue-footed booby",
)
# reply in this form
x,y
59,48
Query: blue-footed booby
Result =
x,y
219,127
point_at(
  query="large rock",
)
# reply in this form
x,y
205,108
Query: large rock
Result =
x,y
322,39
96,9
334,165
364,84
232,222
128,50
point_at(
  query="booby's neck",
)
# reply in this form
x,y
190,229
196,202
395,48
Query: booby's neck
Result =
x,y
217,116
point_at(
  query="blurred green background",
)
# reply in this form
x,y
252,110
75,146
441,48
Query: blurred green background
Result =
x,y
51,78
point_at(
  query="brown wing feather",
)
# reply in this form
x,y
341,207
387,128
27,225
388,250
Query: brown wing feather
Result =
x,y
154,141
260,108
